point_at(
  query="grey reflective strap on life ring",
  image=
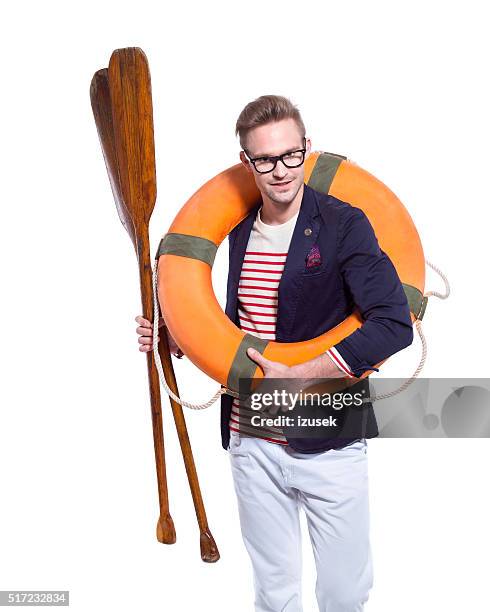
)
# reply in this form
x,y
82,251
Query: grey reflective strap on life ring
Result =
x,y
243,366
416,301
324,171
187,246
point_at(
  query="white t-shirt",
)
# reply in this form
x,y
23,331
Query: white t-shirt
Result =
x,y
261,272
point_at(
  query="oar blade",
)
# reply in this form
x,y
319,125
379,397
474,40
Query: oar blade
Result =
x,y
101,107
132,118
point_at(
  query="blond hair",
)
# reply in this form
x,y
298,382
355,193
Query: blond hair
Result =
x,y
266,109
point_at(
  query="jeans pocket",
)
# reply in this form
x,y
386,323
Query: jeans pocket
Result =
x,y
236,446
234,440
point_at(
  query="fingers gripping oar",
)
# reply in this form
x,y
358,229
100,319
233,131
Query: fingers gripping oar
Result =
x,y
125,105
101,106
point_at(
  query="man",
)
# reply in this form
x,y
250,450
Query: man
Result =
x,y
299,264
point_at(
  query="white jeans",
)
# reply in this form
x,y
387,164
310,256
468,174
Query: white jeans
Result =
x,y
272,481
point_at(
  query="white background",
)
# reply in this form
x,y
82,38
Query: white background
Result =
x,y
400,88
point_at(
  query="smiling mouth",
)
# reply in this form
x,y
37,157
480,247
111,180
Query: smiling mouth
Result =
x,y
280,184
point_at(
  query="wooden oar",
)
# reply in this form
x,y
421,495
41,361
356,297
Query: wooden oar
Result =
x,y
125,106
100,97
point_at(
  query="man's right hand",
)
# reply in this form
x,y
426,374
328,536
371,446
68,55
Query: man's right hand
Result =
x,y
145,331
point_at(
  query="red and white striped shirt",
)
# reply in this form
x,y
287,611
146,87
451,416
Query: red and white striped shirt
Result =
x,y
261,272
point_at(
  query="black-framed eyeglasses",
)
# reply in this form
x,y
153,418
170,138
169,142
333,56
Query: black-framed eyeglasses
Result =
x,y
291,159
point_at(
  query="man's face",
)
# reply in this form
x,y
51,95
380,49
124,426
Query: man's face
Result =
x,y
282,184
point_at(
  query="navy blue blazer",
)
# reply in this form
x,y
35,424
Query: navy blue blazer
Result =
x,y
354,272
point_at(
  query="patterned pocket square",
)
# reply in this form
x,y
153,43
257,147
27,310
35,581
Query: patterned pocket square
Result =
x,y
314,258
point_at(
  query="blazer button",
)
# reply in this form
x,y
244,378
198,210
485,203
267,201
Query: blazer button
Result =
x,y
307,231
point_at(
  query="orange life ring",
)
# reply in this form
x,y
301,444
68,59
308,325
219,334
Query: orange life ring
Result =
x,y
186,254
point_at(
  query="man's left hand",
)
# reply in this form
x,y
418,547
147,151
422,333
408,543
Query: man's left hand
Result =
x,y
271,369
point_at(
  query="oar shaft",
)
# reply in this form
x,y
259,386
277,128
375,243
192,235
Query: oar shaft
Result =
x,y
165,527
209,550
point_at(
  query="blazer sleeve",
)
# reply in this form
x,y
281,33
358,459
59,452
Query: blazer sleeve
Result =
x,y
376,289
